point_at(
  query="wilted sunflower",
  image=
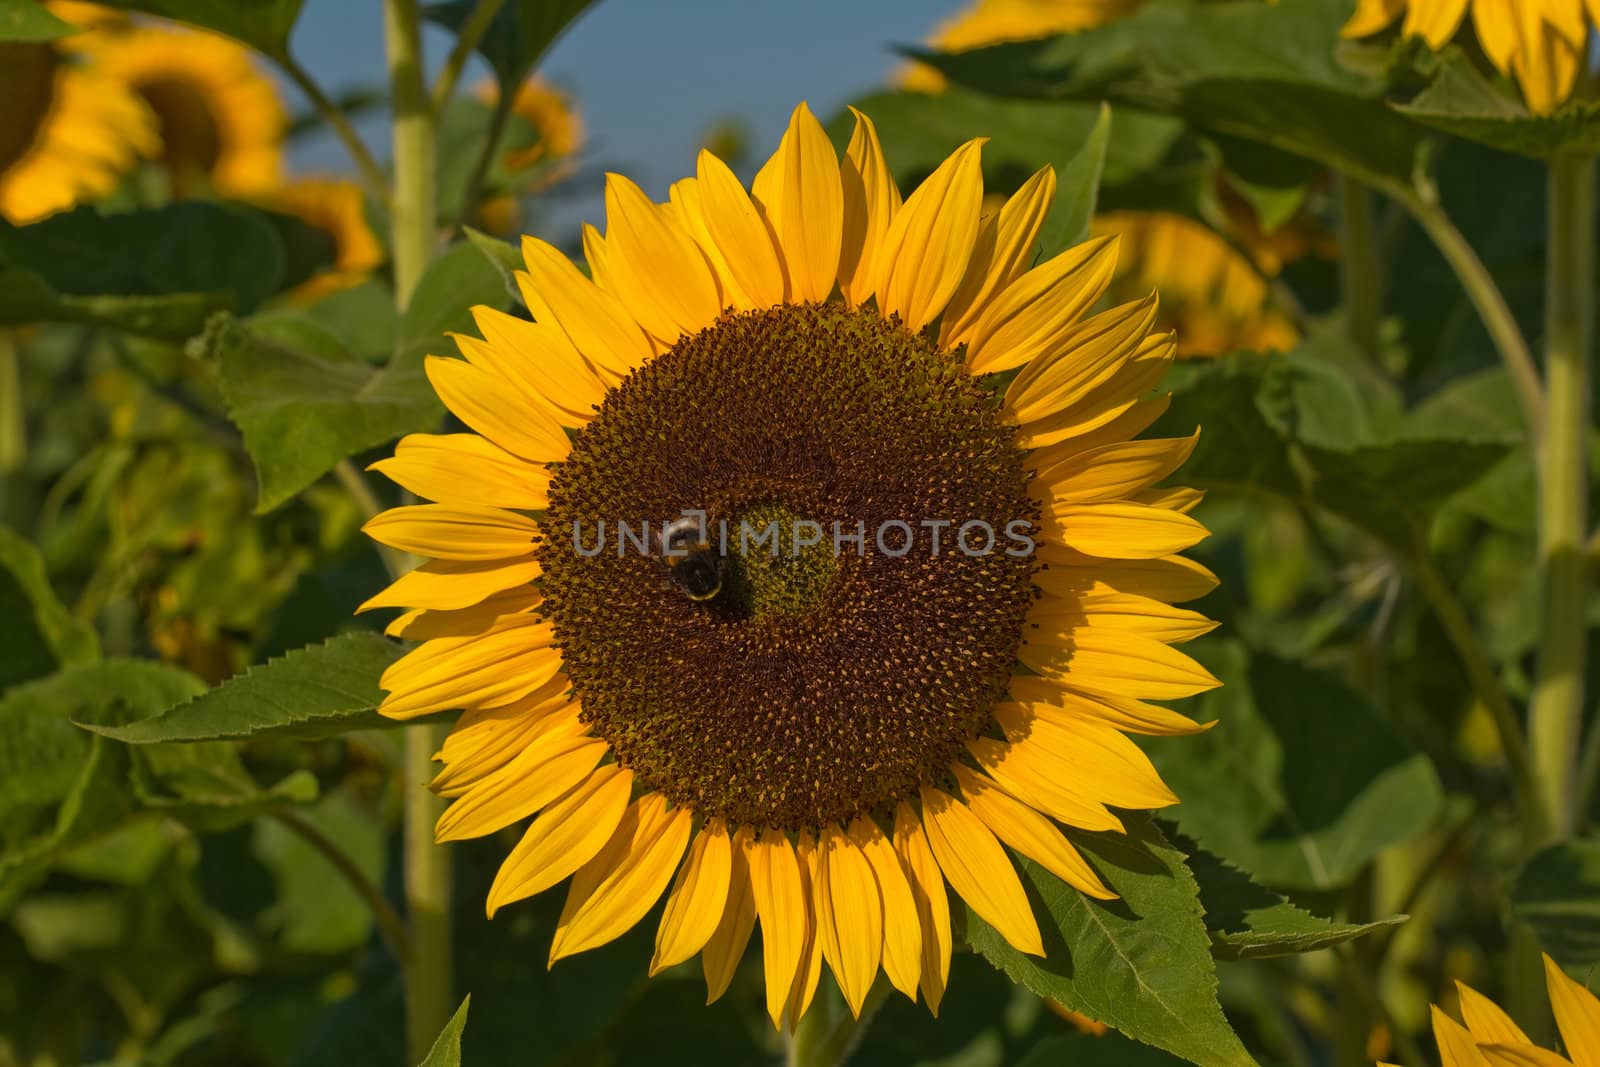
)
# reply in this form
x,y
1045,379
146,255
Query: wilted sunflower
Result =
x,y
336,207
841,728
221,120
1212,296
68,132
1541,43
1491,1039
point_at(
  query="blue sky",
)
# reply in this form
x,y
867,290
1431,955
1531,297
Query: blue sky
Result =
x,y
652,76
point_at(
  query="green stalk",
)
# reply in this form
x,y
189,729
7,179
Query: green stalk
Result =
x,y
430,995
1360,272
1556,710
13,430
472,30
339,123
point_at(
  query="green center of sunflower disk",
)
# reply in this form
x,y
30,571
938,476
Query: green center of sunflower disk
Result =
x,y
840,668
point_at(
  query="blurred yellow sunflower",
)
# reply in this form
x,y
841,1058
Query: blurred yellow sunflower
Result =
x,y
987,22
816,738
68,132
1491,1039
222,122
1212,296
554,116
1541,43
338,208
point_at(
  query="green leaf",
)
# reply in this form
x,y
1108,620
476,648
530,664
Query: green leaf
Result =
x,y
25,298
210,255
1558,894
206,786
1077,189
1141,964
262,24
25,20
1248,921
304,402
37,633
320,691
1463,102
458,279
504,257
519,35
918,130
315,909
58,790
1259,789
446,1051
1254,71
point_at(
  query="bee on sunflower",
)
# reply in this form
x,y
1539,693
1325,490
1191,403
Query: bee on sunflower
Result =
x,y
824,738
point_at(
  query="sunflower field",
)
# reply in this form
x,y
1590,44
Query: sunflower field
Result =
x,y
1077,549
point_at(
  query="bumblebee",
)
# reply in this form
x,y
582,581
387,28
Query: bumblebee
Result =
x,y
695,567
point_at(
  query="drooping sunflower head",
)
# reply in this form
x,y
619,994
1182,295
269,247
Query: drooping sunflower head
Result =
x,y
1215,299
220,117
1542,44
800,556
1491,1038
337,208
987,22
68,131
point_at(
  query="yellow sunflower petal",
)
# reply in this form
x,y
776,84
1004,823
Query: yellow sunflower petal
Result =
x,y
1076,361
478,399
616,888
1006,245
445,584
871,200
1049,699
979,870
721,956
781,907
1486,1020
933,905
425,624
1038,313
902,929
1029,833
1577,1013
596,322
697,900
1035,782
1521,1056
1496,24
1170,578
483,670
800,191
485,739
1456,1047
809,972
463,468
1154,619
1110,471
1100,760
741,236
538,356
849,916
1434,21
1114,393
1372,16
660,273
540,775
564,837
1109,661
930,240
464,532
1120,530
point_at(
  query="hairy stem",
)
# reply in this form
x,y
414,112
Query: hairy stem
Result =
x,y
1360,269
471,35
1556,710
371,173
429,981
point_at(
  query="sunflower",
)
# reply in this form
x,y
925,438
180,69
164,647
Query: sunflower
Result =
x,y
988,22
222,122
1491,1039
69,132
1541,43
1215,299
807,713
338,208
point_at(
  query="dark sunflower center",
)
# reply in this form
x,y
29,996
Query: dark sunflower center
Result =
x,y
860,498
191,139
27,79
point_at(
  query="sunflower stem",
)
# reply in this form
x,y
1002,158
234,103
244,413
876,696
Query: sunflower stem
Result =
x,y
390,926
1555,716
428,972
1486,684
1486,298
1360,271
13,430
371,173
470,36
